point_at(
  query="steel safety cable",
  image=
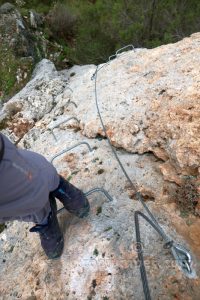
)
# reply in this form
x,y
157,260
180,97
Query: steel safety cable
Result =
x,y
181,255
138,239
138,194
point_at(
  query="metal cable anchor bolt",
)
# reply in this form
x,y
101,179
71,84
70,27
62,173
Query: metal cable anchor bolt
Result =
x,y
183,258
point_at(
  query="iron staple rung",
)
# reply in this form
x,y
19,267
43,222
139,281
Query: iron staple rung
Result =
x,y
67,87
64,151
61,122
95,190
100,190
120,51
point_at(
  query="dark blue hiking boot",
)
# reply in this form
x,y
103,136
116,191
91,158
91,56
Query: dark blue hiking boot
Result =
x,y
51,237
72,198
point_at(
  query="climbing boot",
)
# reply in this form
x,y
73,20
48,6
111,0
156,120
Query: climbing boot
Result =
x,y
72,198
51,237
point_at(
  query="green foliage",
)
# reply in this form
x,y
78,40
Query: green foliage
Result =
x,y
69,177
3,124
39,6
106,25
92,44
108,228
91,30
95,252
9,66
61,23
2,227
99,210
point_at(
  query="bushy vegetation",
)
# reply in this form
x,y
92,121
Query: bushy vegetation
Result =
x,y
91,30
2,227
10,67
106,25
61,22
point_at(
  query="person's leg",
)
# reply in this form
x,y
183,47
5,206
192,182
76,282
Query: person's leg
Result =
x,y
51,237
72,198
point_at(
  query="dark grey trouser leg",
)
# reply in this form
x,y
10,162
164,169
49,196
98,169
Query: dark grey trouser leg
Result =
x,y
73,199
38,217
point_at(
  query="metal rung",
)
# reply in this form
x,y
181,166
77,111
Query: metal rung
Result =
x,y
120,51
100,190
67,87
61,122
95,190
124,48
72,102
70,148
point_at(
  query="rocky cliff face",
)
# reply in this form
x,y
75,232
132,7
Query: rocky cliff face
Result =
x,y
22,44
150,103
18,51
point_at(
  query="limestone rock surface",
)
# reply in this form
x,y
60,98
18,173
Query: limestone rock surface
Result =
x,y
150,104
